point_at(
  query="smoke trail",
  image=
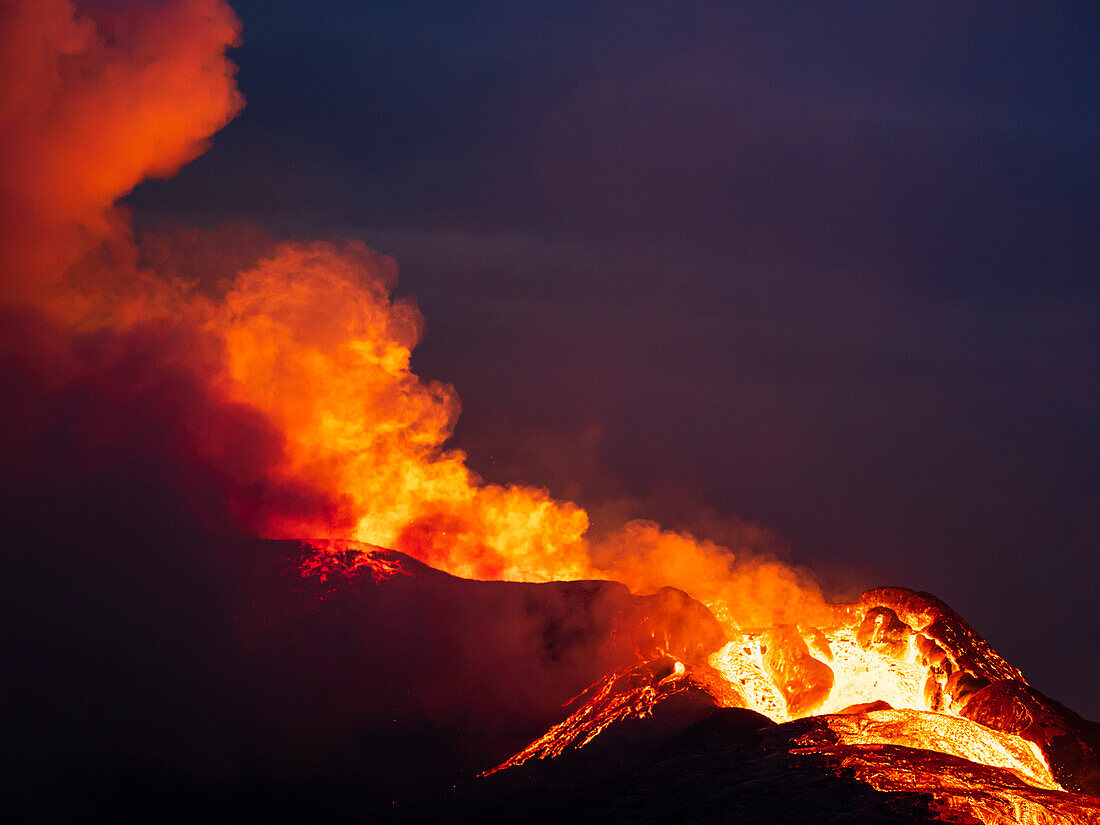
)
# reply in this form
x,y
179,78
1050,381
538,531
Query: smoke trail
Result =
x,y
294,372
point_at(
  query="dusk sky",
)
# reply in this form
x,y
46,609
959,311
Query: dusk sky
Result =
x,y
830,268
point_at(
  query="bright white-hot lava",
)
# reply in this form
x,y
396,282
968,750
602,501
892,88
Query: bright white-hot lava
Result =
x,y
948,734
877,681
861,676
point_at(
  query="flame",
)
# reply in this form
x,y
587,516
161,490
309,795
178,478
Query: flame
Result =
x,y
303,358
316,341
310,337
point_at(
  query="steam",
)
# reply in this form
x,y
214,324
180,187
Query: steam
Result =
x,y
280,397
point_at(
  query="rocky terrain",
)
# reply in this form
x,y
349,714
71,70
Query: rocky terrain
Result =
x,y
335,681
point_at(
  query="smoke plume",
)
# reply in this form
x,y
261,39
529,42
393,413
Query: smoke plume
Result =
x,y
165,400
305,347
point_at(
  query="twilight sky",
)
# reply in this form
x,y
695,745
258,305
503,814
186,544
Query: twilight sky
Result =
x,y
828,267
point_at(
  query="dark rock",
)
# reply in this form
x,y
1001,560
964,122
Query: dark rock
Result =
x,y
1070,743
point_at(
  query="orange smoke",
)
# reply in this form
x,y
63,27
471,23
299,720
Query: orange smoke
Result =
x,y
741,587
97,97
309,337
316,342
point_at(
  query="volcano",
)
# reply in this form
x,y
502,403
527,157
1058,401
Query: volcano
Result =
x,y
975,743
249,578
356,681
895,711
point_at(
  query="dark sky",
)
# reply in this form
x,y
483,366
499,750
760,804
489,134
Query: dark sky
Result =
x,y
831,267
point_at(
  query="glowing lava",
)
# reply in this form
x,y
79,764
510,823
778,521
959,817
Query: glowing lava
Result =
x,y
862,676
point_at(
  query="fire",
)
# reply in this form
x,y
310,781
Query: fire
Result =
x,y
311,340
306,353
315,340
310,336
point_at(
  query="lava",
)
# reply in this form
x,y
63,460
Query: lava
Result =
x,y
280,403
892,702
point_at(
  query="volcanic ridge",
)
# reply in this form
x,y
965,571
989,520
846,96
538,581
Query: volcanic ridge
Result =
x,y
897,711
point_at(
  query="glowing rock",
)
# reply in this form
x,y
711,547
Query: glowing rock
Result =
x,y
882,631
804,681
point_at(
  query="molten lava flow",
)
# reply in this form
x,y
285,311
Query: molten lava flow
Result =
x,y
281,400
861,676
964,771
902,706
945,734
937,663
632,693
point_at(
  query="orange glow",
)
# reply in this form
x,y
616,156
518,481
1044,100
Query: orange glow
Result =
x,y
309,348
310,336
315,340
93,105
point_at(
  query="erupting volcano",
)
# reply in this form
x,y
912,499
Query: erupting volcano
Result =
x,y
247,576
